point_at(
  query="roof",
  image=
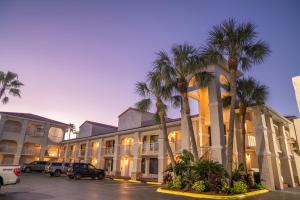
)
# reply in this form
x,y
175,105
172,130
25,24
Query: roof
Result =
x,y
34,117
135,109
99,124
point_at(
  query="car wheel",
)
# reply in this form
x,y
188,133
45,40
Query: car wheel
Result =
x,y
100,176
71,177
57,173
27,170
77,176
51,174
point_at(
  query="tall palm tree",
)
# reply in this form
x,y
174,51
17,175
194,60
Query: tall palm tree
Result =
x,y
154,91
178,70
236,45
10,84
249,93
72,129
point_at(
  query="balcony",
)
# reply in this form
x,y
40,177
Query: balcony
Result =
x,y
150,148
31,151
34,133
73,153
109,151
250,141
12,128
93,152
81,153
52,153
126,149
175,146
8,149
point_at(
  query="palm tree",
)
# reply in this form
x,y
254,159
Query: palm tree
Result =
x,y
249,93
9,83
236,45
178,70
72,129
154,91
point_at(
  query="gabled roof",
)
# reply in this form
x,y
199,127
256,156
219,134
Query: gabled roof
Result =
x,y
135,109
99,124
34,117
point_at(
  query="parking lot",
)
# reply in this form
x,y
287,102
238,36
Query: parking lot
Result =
x,y
39,187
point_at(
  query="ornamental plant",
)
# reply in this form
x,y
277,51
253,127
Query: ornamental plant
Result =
x,y
239,187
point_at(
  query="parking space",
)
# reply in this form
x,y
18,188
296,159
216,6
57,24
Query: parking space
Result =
x,y
40,187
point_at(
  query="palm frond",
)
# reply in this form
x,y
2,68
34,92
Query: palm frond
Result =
x,y
143,105
176,101
5,100
226,101
203,78
15,92
142,89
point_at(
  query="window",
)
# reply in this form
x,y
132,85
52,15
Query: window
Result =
x,y
143,165
153,166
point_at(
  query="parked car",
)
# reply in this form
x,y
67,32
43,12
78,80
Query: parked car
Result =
x,y
56,168
35,166
79,170
9,174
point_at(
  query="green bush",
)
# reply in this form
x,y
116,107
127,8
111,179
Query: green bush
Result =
x,y
259,186
239,187
199,186
174,184
225,187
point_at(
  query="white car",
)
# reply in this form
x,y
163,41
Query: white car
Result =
x,y
9,174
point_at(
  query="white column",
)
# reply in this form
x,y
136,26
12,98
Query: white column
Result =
x,y
86,153
136,169
100,161
161,157
116,164
44,145
2,123
20,143
274,151
185,137
216,121
262,150
285,159
67,149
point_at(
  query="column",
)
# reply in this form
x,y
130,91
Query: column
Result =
x,y
136,169
161,157
262,149
116,163
2,123
274,151
100,160
203,111
238,138
44,145
86,153
285,159
20,142
216,121
66,159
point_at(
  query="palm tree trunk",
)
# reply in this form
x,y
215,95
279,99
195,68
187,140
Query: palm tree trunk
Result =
x,y
233,86
166,140
187,112
243,110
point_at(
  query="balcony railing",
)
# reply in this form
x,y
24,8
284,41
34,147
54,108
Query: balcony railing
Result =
x,y
93,152
175,146
250,141
150,148
81,153
12,128
34,133
8,149
109,151
31,151
126,149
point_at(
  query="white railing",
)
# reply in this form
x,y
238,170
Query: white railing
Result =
x,y
8,149
81,153
31,151
250,141
126,149
150,148
175,146
34,133
93,152
12,128
109,151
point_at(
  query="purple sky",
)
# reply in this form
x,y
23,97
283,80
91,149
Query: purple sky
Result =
x,y
80,60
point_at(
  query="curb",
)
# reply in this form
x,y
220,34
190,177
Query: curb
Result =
x,y
153,183
135,181
209,196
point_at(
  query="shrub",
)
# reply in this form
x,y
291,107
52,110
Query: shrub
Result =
x,y
239,187
225,187
259,186
174,184
199,186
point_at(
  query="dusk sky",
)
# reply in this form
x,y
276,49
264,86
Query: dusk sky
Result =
x,y
80,60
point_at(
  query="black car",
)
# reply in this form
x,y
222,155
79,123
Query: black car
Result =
x,y
35,166
80,170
